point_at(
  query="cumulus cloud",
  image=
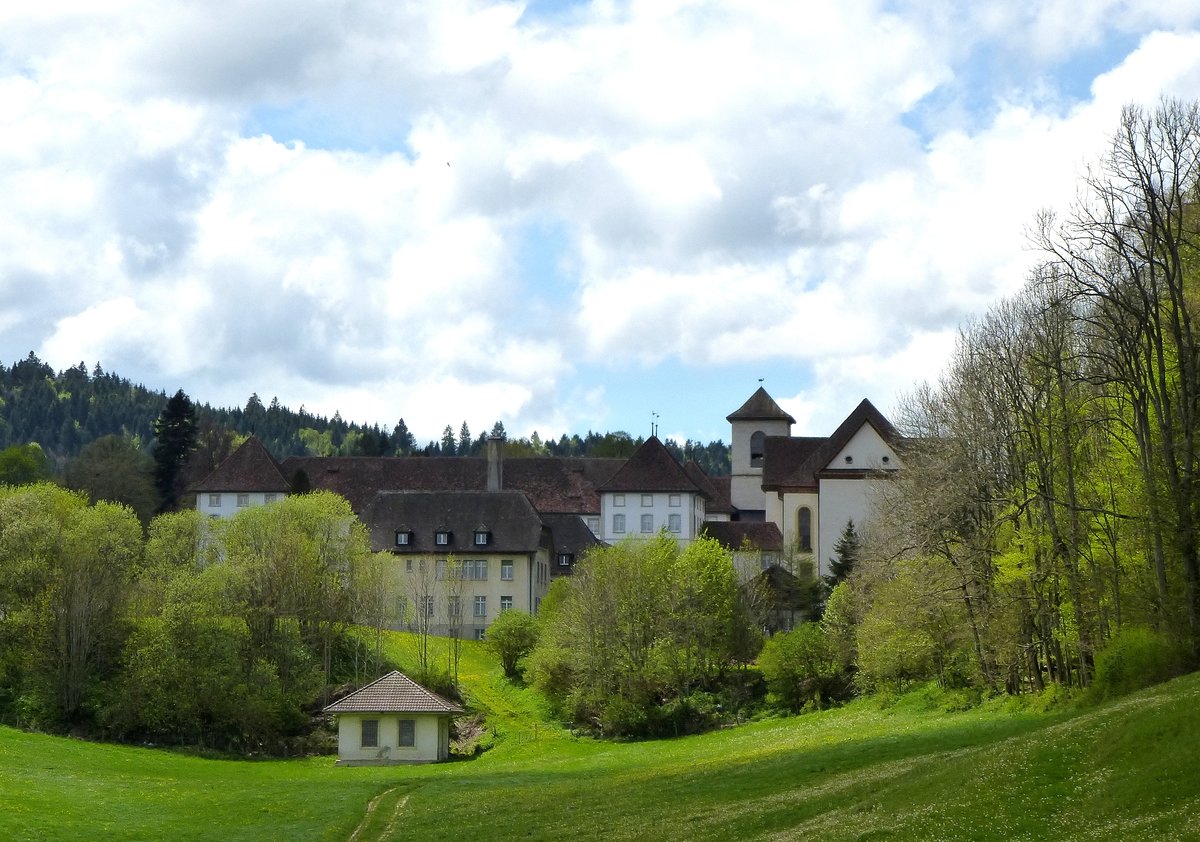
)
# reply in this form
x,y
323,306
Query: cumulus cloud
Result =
x,y
332,202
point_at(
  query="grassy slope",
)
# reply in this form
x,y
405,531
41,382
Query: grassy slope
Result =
x,y
1122,770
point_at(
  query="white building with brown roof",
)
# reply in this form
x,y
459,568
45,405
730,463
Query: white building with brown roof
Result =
x,y
393,720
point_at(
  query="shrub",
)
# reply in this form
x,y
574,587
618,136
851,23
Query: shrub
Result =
x,y
801,667
1136,657
512,637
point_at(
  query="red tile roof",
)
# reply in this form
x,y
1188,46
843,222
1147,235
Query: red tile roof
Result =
x,y
553,484
652,468
394,693
761,535
250,468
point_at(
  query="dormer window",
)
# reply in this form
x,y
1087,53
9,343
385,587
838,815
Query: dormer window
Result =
x,y
565,559
482,537
403,538
441,538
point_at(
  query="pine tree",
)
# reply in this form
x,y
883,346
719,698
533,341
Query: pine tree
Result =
x,y
175,435
845,555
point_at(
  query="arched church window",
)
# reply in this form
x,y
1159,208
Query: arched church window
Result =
x,y
756,448
804,529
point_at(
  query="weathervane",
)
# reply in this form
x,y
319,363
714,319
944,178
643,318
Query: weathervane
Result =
x,y
653,423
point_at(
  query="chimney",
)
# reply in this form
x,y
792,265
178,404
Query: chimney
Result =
x,y
495,463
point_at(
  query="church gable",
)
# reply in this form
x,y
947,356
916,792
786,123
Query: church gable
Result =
x,y
865,451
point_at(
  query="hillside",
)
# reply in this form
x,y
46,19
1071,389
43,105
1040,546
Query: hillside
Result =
x,y
1122,770
64,411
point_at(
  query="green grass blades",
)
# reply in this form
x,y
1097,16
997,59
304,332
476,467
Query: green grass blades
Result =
x,y
1123,770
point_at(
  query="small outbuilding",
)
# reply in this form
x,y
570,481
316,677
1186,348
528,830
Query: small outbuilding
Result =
x,y
393,720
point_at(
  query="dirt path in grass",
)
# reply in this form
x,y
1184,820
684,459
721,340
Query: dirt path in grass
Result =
x,y
357,835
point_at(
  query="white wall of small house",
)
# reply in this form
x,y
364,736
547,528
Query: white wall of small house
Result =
x,y
658,505
431,732
224,504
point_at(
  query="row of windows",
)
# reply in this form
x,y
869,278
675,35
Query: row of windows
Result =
x,y
648,500
370,733
454,605
474,570
674,523
441,537
243,500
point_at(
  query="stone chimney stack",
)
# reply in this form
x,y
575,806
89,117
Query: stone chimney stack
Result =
x,y
495,463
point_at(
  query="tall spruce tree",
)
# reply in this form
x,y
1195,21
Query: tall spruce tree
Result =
x,y
175,439
845,554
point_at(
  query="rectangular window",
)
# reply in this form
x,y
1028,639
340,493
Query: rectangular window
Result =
x,y
481,606
618,524
647,501
594,525
674,523
408,733
214,500
403,539
441,569
243,500
481,538
454,606
618,499
674,500
408,564
506,603
481,569
370,733
564,559
506,568
428,600
479,633
269,497
441,538
647,523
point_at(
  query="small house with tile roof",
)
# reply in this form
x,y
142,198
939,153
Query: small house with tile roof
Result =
x,y
248,477
392,720
651,493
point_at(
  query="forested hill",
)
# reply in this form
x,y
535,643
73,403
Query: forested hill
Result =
x,y
66,410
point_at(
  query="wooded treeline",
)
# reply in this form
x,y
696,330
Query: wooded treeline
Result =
x,y
64,412
1050,500
219,633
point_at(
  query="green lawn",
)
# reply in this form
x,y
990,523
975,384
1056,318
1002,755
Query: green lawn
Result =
x,y
1126,770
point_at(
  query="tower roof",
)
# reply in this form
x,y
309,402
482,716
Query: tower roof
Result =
x,y
760,407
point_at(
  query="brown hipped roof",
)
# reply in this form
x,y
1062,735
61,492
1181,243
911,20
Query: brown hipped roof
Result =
x,y
511,523
796,462
733,535
652,468
248,469
760,407
394,693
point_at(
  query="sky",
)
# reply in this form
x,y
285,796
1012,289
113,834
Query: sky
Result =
x,y
565,216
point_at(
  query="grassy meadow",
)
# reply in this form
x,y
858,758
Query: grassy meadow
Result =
x,y
1123,770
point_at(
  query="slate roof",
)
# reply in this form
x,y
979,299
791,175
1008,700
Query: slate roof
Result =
x,y
760,407
570,535
652,468
762,535
394,693
553,484
250,468
514,525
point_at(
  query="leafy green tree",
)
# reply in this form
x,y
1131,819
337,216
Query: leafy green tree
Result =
x,y
801,666
175,439
22,464
511,637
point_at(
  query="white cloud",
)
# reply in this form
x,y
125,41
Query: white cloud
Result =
x,y
731,183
